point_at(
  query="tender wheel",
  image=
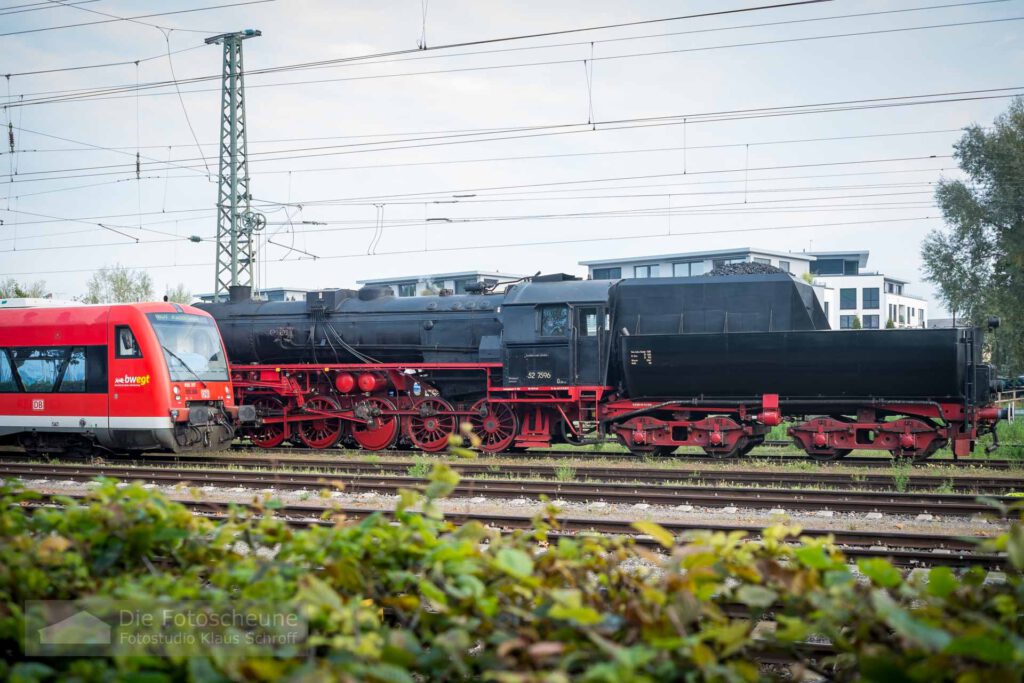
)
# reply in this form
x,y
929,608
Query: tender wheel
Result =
x,y
495,424
751,445
322,432
432,424
652,451
828,454
722,453
273,434
380,431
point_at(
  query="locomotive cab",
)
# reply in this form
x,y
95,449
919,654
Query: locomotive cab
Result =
x,y
556,334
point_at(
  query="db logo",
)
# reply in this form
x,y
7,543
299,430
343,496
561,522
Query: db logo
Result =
x,y
37,404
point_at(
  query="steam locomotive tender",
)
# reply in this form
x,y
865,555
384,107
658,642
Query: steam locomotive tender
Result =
x,y
712,362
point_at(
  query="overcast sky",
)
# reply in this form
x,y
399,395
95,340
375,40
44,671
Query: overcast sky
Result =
x,y
541,191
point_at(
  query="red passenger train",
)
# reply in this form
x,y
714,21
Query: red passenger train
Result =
x,y
133,377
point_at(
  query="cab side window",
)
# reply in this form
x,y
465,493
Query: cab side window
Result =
x,y
586,322
126,344
554,320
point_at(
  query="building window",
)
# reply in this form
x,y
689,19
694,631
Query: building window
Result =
x,y
829,266
407,289
847,299
127,347
645,271
607,273
727,261
920,316
460,285
762,261
846,322
554,320
688,269
784,265
871,297
826,309
871,322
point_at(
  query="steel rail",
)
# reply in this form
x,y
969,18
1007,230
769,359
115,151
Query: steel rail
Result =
x,y
958,483
903,548
716,497
852,461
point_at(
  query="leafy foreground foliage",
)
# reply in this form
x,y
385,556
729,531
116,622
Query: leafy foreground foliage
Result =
x,y
426,600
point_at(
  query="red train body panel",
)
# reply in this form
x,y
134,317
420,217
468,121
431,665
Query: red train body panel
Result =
x,y
124,377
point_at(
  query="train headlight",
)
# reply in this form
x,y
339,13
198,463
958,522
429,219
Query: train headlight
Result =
x,y
176,390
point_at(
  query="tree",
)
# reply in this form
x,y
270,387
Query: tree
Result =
x,y
890,325
808,278
977,261
179,294
855,325
12,289
118,284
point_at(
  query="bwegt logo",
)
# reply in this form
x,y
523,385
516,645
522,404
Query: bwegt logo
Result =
x,y
131,381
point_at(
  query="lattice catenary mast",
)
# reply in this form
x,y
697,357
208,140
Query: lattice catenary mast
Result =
x,y
236,222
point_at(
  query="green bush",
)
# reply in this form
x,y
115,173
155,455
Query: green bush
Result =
x,y
423,599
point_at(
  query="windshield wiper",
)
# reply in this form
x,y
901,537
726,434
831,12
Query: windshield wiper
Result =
x,y
187,366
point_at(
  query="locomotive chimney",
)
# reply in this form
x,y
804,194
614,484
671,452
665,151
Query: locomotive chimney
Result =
x,y
239,293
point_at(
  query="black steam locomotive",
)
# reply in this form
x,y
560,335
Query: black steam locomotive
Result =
x,y
712,362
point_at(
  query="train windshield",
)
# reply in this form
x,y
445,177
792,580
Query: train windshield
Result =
x,y
191,346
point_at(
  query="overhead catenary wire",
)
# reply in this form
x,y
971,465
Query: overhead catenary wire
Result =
x,y
418,250
633,122
119,92
715,208
417,54
134,18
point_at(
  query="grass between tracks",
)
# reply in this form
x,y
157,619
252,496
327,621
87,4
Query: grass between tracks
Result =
x,y
424,599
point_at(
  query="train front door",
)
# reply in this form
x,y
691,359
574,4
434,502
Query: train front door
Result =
x,y
588,342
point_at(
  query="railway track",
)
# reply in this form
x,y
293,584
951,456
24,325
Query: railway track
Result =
x,y
656,476
617,493
852,461
902,548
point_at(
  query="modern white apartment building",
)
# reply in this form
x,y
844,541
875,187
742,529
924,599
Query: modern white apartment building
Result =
x,y
694,263
850,295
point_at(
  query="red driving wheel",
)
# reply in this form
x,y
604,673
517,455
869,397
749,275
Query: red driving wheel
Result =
x,y
322,431
432,424
380,431
495,424
273,434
